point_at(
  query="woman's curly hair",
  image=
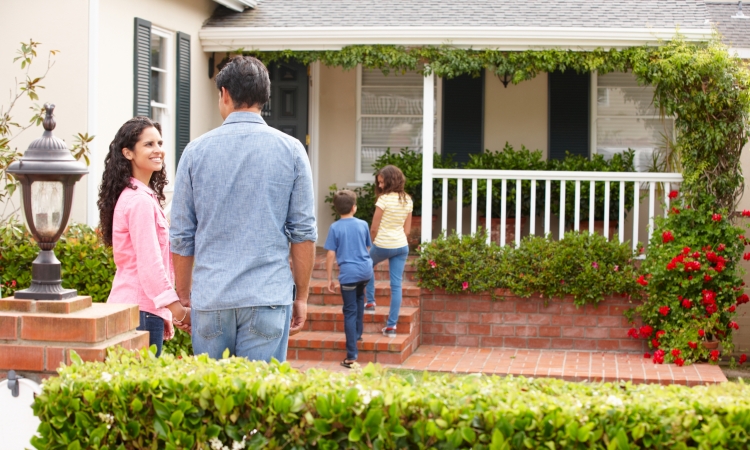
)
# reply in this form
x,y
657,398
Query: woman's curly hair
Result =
x,y
117,173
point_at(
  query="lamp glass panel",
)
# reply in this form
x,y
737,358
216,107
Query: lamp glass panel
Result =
x,y
47,207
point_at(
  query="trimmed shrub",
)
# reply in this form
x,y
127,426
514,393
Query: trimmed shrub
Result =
x,y
586,266
139,402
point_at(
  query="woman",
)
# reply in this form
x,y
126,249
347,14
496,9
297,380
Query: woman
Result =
x,y
391,224
133,223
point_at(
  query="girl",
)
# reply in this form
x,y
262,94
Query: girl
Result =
x,y
391,224
133,223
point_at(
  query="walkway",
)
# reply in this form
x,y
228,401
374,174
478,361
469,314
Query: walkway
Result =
x,y
567,365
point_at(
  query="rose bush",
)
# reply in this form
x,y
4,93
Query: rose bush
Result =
x,y
694,282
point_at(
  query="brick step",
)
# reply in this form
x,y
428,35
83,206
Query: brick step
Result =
x,y
321,274
410,293
331,318
380,300
328,346
320,264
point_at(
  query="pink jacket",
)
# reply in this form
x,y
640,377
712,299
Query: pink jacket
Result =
x,y
140,243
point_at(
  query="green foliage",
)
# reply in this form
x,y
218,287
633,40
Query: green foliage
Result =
x,y
620,162
588,267
180,345
365,201
140,402
86,263
695,258
699,83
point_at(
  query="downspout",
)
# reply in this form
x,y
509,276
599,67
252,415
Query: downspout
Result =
x,y
92,213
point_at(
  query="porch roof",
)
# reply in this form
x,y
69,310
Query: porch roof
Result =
x,y
735,31
506,24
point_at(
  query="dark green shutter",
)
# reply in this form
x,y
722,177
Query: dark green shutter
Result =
x,y
142,68
182,122
463,116
568,114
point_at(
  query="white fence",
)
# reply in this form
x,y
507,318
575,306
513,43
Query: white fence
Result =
x,y
642,184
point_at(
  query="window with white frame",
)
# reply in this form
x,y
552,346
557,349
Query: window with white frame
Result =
x,y
625,118
389,116
162,87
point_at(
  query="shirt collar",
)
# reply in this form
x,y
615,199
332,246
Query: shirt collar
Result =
x,y
244,116
135,182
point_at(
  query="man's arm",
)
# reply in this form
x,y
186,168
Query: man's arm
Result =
x,y
303,259
183,276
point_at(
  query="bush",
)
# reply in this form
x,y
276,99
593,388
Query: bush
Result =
x,y
588,267
86,263
139,403
693,278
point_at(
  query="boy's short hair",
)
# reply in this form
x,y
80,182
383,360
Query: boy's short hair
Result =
x,y
344,201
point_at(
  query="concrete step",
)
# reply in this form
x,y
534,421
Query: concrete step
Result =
x,y
331,318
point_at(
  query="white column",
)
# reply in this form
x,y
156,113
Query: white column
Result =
x,y
428,132
94,175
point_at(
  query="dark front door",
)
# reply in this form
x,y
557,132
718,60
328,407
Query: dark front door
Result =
x,y
287,109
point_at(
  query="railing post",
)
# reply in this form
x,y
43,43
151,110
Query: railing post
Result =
x,y
428,129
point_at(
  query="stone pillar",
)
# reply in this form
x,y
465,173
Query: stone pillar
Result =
x,y
36,336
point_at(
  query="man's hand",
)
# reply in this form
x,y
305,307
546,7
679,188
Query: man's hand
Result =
x,y
299,316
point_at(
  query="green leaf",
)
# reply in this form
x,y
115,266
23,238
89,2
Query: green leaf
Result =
x,y
136,405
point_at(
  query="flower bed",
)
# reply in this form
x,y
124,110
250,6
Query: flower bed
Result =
x,y
144,402
476,320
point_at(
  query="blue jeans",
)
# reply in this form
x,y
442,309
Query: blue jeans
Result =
x,y
155,327
257,333
396,260
354,312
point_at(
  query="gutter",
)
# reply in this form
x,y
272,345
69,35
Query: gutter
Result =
x,y
215,39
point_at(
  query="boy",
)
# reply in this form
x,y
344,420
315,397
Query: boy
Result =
x,y
349,242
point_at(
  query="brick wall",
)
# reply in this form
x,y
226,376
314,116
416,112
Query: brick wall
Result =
x,y
514,322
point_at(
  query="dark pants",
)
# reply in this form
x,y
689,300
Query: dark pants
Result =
x,y
155,327
354,312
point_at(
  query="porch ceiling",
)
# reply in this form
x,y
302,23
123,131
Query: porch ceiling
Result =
x,y
497,24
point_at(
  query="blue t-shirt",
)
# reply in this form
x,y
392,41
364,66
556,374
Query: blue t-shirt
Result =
x,y
350,238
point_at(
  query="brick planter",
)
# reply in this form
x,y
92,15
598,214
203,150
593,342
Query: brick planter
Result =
x,y
472,320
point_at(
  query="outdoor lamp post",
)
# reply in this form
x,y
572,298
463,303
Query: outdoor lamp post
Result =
x,y
48,173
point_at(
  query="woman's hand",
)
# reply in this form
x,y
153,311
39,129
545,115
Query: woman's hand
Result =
x,y
180,316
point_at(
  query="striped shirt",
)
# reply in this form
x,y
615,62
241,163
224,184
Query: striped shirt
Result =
x,y
391,231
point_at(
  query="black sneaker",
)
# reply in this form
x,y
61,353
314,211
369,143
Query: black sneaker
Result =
x,y
370,308
389,331
359,339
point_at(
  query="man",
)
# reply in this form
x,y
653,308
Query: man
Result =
x,y
243,194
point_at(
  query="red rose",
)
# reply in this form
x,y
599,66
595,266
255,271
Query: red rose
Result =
x,y
746,256
659,357
714,355
664,310
733,325
679,361
687,303
671,265
706,278
646,331
701,333
709,296
654,343
720,267
647,355
746,213
696,255
711,308
465,285
716,217
676,352
433,264
721,248
731,309
667,237
660,333
673,195
743,299
711,256
633,333
692,345
743,358
675,210
642,281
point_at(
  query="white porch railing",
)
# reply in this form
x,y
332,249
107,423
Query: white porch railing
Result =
x,y
499,179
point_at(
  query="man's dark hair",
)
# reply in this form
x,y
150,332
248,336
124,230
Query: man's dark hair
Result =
x,y
246,80
344,201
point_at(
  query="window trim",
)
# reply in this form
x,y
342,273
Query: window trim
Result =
x,y
168,107
364,177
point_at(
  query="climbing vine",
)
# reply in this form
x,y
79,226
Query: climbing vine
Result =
x,y
700,84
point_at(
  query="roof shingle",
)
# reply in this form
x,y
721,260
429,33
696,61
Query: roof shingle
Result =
x,y
734,32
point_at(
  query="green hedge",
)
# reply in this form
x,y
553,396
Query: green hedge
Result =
x,y
586,266
138,403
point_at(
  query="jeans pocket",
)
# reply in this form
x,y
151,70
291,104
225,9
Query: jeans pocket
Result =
x,y
208,323
268,321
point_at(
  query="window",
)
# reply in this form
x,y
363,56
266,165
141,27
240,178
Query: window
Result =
x,y
163,87
389,116
625,118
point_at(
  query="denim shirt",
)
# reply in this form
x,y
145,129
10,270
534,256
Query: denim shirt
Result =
x,y
243,193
